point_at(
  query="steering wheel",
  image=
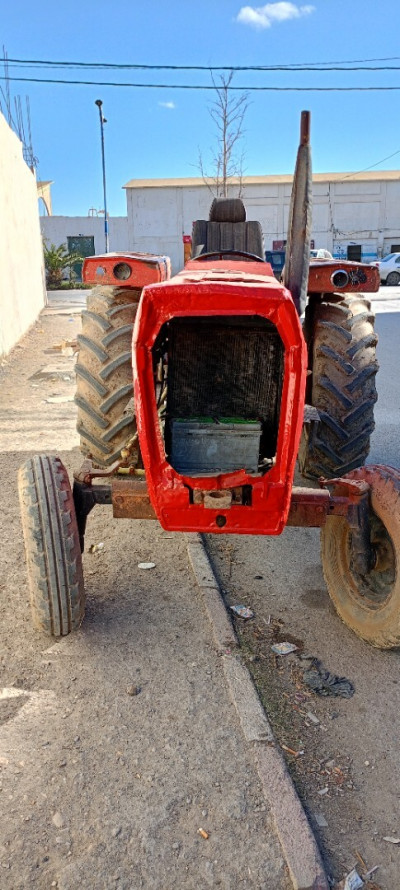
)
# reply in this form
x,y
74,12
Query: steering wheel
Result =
x,y
222,253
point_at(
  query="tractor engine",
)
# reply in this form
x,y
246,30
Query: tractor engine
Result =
x,y
219,380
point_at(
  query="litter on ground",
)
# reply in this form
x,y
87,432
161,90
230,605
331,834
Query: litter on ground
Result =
x,y
204,834
323,682
96,548
242,611
353,881
146,565
283,648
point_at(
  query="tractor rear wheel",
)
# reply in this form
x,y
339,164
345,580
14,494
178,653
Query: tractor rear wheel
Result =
x,y
104,373
53,554
342,357
368,604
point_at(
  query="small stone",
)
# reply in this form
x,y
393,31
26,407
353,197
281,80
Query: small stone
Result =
x,y
176,846
58,820
132,689
62,763
320,820
204,813
116,831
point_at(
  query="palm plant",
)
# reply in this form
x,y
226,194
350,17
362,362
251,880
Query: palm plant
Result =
x,y
56,259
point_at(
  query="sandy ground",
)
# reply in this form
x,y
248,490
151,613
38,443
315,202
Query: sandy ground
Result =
x,y
101,788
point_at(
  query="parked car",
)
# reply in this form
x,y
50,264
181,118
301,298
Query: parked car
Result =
x,y
277,259
389,269
320,254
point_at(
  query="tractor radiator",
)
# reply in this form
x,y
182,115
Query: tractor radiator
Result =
x,y
225,367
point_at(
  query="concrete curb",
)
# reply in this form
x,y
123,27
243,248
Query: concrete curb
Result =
x,y
294,831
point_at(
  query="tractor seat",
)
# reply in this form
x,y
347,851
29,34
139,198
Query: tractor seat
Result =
x,y
227,229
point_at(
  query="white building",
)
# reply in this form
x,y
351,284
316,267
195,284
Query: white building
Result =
x,y
355,215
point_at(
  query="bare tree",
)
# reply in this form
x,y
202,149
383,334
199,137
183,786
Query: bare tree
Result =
x,y
228,113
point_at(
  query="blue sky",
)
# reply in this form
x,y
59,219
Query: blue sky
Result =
x,y
158,132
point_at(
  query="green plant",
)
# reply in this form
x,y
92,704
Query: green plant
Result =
x,y
56,259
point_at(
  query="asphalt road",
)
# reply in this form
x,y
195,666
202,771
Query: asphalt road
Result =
x,y
281,580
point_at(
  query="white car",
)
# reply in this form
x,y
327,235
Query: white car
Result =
x,y
389,269
320,254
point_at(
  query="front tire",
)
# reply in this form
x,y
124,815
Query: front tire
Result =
x,y
370,604
342,357
53,554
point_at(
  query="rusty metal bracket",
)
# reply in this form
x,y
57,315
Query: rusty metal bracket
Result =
x,y
87,472
130,499
85,498
357,494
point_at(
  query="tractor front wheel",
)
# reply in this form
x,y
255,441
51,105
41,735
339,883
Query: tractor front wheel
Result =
x,y
53,554
342,357
369,604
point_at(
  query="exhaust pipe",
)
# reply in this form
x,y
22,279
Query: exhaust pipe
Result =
x,y
340,278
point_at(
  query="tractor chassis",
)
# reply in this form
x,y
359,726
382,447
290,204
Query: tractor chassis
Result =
x,y
309,508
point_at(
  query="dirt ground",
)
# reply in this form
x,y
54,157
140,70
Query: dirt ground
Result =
x,y
101,788
97,782
349,775
341,753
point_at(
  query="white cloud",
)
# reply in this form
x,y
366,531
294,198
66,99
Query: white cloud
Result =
x,y
265,16
167,104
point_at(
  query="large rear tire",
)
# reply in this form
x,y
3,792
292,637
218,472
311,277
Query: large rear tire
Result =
x,y
53,554
104,373
342,357
369,604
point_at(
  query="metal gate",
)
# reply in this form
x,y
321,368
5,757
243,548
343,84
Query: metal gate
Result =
x,y
84,245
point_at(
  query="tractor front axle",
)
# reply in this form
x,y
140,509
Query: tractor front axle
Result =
x,y
309,508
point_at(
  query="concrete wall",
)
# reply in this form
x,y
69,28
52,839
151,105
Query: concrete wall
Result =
x,y
22,282
159,217
346,211
57,229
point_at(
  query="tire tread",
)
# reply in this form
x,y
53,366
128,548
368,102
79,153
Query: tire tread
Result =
x,y
51,538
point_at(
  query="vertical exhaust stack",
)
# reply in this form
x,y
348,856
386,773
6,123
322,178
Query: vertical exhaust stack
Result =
x,y
300,220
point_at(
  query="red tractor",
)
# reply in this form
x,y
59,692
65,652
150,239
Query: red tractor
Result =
x,y
229,389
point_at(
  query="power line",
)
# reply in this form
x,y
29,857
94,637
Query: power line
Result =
x,y
364,170
293,66
176,86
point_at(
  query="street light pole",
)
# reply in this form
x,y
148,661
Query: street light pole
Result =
x,y
99,104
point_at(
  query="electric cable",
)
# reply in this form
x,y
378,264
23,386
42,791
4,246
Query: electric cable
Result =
x,y
172,86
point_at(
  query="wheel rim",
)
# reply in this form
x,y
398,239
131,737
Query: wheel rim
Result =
x,y
372,591
393,278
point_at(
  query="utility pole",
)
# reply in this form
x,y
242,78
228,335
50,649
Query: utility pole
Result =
x,y
103,121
